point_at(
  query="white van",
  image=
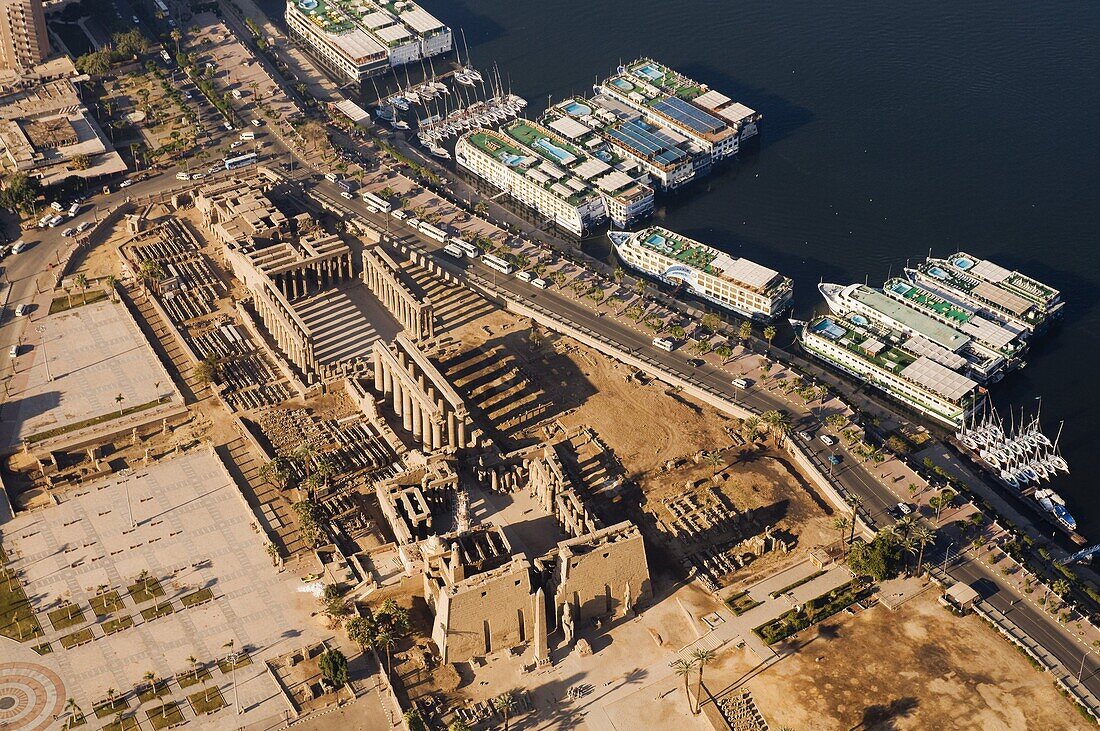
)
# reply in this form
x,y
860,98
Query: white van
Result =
x,y
183,176
524,276
400,215
740,382
540,283
248,135
332,177
664,344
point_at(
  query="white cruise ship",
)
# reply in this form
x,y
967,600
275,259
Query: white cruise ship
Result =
x,y
740,285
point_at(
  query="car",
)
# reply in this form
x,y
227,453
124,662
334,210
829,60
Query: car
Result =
x,y
55,220
68,232
904,509
13,351
827,440
19,247
22,310
125,183
345,194
805,436
235,144
257,123
695,362
198,176
56,205
833,459
84,226
186,95
4,251
228,126
215,168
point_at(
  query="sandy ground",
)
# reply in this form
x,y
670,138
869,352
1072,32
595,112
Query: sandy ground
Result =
x,y
919,667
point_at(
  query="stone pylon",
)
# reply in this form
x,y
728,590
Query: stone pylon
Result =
x,y
541,648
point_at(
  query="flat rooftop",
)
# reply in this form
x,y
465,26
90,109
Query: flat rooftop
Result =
x,y
939,333
707,259
96,352
1015,282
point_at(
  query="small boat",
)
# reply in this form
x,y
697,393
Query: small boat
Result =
x,y
399,101
400,124
473,74
439,152
463,79
384,113
1064,517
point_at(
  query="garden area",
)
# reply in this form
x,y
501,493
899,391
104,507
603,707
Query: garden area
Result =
x,y
813,611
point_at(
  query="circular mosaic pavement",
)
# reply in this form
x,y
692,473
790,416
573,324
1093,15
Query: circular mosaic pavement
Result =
x,y
31,696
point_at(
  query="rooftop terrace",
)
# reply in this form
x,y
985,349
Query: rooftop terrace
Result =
x,y
923,298
1013,281
910,318
740,271
522,147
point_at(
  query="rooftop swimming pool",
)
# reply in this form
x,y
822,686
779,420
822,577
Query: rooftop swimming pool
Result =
x,y
655,239
829,329
937,273
511,160
622,84
962,262
576,108
648,72
860,320
307,4
562,156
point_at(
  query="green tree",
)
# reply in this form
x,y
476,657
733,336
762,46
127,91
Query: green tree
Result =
x,y
701,658
745,331
724,352
877,559
81,161
20,193
118,400
334,668
714,459
769,334
414,721
76,716
923,536
778,423
711,322
504,703
684,669
359,631
840,523
206,370
458,725
81,282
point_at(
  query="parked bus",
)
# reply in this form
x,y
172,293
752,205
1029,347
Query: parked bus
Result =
x,y
664,344
331,177
433,232
454,251
348,186
240,161
471,251
495,262
378,202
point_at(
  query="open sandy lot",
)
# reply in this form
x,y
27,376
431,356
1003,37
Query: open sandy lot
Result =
x,y
920,667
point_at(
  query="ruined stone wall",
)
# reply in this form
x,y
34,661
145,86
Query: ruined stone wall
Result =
x,y
596,571
496,605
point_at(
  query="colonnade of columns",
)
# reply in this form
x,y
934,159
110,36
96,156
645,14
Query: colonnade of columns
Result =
x,y
380,275
313,275
421,406
296,344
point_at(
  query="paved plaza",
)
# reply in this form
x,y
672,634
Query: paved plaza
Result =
x,y
95,353
192,532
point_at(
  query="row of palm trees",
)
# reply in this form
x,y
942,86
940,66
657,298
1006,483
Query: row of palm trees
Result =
x,y
684,667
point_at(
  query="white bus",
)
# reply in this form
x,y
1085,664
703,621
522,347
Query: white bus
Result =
x,y
378,202
524,276
454,251
433,232
240,161
471,251
664,344
540,283
495,262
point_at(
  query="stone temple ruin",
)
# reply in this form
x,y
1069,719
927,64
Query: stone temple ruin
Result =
x,y
540,567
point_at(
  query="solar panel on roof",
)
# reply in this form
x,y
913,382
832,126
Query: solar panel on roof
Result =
x,y
645,143
693,117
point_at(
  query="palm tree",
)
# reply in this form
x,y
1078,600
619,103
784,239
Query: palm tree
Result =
x,y
617,275
750,428
841,525
504,703
81,282
118,400
385,638
701,658
194,666
923,535
778,423
714,459
69,294
150,677
769,334
1060,587
112,284
457,725
684,669
745,331
74,713
908,545
904,526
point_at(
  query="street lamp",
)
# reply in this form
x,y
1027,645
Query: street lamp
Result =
x,y
41,330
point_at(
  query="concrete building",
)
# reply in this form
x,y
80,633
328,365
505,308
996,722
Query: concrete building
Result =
x,y
24,42
556,178
48,133
356,40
